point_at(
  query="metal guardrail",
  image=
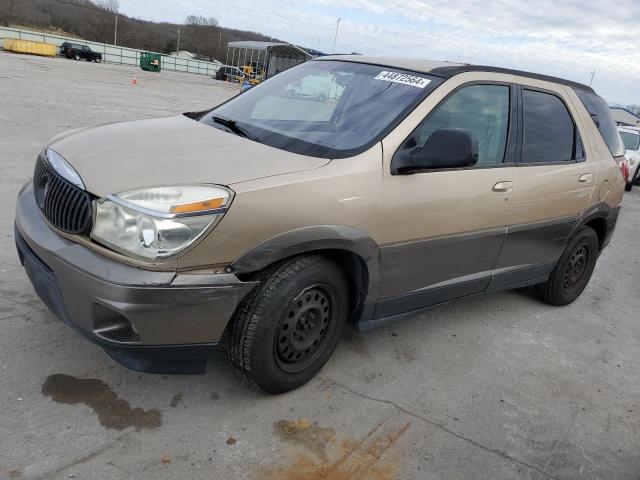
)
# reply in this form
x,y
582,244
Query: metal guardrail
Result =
x,y
113,53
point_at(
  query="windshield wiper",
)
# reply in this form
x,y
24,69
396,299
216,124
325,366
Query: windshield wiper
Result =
x,y
233,126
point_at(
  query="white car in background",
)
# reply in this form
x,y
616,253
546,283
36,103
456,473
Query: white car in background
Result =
x,y
631,138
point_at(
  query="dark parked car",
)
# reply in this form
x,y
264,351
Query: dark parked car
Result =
x,y
77,51
228,73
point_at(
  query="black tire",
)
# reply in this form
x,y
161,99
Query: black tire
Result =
x,y
77,57
573,271
289,325
98,60
628,186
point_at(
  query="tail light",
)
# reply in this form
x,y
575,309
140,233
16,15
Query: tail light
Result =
x,y
623,163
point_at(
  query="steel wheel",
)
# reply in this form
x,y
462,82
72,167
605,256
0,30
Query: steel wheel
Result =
x,y
304,327
573,270
576,268
286,329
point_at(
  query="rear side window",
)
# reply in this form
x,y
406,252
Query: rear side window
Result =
x,y
601,115
548,129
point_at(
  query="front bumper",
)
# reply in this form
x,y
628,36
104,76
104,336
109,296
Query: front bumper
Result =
x,y
151,321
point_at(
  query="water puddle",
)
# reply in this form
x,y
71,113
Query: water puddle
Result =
x,y
113,412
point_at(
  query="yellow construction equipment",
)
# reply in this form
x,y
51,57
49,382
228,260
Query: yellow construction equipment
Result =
x,y
27,46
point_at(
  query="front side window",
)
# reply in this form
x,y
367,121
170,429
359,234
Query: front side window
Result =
x,y
548,129
631,140
326,108
482,110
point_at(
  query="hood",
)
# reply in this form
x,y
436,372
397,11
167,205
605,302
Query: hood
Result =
x,y
171,150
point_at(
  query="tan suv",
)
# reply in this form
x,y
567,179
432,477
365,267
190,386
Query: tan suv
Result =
x,y
269,222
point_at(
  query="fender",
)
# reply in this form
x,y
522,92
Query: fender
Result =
x,y
599,211
313,238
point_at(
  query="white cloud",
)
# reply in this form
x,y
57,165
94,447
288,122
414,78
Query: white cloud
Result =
x,y
568,38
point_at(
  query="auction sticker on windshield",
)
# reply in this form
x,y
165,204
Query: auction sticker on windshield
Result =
x,y
403,78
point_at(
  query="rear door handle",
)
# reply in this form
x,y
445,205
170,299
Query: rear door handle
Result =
x,y
586,178
503,187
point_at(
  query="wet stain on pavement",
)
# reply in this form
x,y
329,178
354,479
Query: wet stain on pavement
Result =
x,y
113,412
367,458
305,434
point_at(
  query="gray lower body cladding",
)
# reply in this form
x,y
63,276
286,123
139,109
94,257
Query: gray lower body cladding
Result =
x,y
429,272
149,321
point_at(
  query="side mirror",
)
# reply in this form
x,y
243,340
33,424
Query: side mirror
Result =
x,y
445,148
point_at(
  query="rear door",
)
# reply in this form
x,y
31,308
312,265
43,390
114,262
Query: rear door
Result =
x,y
555,182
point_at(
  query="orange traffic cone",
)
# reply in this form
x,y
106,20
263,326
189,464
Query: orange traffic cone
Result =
x,y
134,81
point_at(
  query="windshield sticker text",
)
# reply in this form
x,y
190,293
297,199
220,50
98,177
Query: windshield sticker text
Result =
x,y
403,78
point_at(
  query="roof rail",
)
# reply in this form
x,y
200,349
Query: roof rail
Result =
x,y
458,69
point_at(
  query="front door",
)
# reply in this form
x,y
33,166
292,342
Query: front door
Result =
x,y
443,229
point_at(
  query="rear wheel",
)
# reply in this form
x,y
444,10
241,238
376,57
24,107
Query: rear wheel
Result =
x,y
97,60
287,328
628,186
573,271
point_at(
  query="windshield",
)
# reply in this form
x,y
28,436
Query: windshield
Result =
x,y
631,140
329,109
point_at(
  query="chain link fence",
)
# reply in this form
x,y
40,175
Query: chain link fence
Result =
x,y
113,53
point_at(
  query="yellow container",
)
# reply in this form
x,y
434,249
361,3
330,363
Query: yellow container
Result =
x,y
33,48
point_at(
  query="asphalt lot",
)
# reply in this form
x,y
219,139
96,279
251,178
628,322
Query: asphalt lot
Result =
x,y
490,387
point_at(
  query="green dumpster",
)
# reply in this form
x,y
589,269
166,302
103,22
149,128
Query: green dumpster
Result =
x,y
150,61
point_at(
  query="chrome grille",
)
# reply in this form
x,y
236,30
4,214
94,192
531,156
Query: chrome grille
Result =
x,y
66,206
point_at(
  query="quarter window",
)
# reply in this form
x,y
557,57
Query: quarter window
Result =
x,y
601,116
548,129
482,110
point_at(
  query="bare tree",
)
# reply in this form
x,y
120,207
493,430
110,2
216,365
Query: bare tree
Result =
x,y
109,5
634,108
85,19
200,21
199,35
8,11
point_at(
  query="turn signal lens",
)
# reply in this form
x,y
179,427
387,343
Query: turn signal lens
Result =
x,y
201,206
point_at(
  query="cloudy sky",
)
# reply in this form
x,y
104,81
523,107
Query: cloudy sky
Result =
x,y
567,38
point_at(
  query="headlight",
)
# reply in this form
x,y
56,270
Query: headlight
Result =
x,y
155,223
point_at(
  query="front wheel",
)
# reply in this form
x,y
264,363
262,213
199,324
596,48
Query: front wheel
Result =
x,y
287,328
77,57
98,60
572,272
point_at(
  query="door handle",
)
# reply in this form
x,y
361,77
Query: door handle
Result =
x,y
586,178
503,187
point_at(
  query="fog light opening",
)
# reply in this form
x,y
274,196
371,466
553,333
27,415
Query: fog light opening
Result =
x,y
113,326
